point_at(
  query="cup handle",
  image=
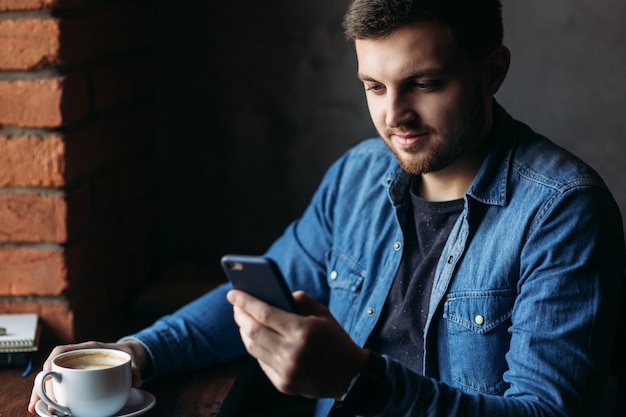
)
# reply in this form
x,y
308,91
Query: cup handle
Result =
x,y
40,388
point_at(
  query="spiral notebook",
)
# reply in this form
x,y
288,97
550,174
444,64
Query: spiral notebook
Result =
x,y
20,332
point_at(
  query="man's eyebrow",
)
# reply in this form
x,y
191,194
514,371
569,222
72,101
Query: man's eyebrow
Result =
x,y
412,76
364,77
428,73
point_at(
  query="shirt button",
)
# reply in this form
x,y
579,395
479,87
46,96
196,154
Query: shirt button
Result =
x,y
397,246
480,320
333,275
450,259
370,311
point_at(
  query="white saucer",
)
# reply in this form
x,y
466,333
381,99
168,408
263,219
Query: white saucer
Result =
x,y
138,403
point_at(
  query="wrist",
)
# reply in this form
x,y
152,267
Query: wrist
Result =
x,y
139,355
369,390
361,364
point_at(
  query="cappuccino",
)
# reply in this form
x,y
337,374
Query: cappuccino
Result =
x,y
95,360
87,382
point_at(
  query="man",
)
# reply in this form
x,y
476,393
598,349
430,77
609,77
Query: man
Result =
x,y
460,265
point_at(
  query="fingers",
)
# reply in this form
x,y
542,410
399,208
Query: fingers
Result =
x,y
255,337
140,359
269,334
277,339
279,320
33,400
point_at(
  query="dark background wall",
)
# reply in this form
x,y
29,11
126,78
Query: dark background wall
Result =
x,y
256,99
568,78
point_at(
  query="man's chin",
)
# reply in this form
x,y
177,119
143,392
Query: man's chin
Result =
x,y
412,167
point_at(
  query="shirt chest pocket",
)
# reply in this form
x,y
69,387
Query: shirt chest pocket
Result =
x,y
345,279
477,326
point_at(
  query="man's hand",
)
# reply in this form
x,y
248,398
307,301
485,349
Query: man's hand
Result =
x,y
309,354
140,360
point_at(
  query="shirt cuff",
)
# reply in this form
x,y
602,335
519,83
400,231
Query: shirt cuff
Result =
x,y
369,391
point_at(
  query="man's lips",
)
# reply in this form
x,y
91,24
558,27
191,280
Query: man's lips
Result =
x,y
408,140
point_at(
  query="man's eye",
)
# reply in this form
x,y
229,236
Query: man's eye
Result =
x,y
430,85
374,88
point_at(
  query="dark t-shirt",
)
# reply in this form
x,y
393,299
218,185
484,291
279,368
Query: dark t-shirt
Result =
x,y
399,332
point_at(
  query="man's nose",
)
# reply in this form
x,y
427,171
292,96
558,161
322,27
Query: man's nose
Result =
x,y
399,110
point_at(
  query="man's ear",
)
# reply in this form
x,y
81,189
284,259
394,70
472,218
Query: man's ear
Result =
x,y
498,66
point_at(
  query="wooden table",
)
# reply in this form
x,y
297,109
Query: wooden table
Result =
x,y
14,392
199,393
237,389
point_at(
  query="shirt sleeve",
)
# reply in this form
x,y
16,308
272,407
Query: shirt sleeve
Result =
x,y
201,333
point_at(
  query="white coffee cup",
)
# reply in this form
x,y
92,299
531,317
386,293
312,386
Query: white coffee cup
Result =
x,y
87,382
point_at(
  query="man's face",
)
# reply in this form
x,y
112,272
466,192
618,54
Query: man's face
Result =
x,y
426,96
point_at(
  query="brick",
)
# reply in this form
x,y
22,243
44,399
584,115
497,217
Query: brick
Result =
x,y
7,5
55,315
32,217
32,160
51,270
49,102
28,43
32,271
38,217
56,159
93,310
58,319
123,81
31,43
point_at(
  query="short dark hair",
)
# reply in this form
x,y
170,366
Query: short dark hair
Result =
x,y
476,24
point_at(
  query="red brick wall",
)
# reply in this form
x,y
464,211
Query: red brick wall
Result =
x,y
77,164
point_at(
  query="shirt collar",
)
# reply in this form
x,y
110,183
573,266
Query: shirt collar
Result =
x,y
490,184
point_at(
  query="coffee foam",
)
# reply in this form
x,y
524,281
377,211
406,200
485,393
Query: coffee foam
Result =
x,y
90,360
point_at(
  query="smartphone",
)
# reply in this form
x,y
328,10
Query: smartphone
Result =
x,y
259,276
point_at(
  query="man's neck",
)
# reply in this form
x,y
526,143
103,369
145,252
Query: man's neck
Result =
x,y
452,182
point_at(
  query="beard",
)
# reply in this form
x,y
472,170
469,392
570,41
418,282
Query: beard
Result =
x,y
458,138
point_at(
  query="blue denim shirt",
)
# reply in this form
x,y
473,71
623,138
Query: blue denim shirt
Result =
x,y
524,301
